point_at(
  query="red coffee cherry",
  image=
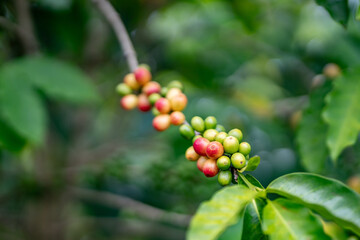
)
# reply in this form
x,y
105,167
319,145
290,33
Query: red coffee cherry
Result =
x,y
144,104
214,150
177,118
161,122
200,146
142,75
200,162
163,105
151,87
210,168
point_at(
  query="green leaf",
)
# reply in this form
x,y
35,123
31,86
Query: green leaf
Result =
x,y
338,10
252,163
21,107
234,231
214,216
334,231
342,112
330,198
252,220
9,139
283,219
311,135
254,181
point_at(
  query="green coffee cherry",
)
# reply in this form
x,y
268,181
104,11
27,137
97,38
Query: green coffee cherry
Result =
x,y
210,134
187,131
210,122
143,65
223,162
154,97
196,137
220,128
238,160
164,91
155,112
175,84
123,89
220,137
231,144
236,133
245,148
198,124
224,178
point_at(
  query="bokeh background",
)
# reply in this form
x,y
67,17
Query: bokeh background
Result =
x,y
249,63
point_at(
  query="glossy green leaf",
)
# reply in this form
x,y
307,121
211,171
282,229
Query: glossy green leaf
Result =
x,y
342,112
234,231
330,198
214,216
286,220
338,9
252,163
21,107
253,181
311,135
252,220
334,231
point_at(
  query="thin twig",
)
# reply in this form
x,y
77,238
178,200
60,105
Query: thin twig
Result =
x,y
115,21
136,207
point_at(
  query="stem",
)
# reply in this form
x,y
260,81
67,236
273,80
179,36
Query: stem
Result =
x,y
115,21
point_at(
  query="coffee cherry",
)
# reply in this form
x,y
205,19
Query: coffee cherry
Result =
x,y
142,75
210,122
225,178
196,137
130,80
144,104
223,162
177,118
191,155
220,137
164,91
200,162
129,102
210,168
178,102
238,160
173,92
175,84
144,65
163,105
220,128
244,148
231,144
214,150
200,146
236,133
187,131
161,122
331,70
154,97
123,89
198,124
151,87
155,112
210,134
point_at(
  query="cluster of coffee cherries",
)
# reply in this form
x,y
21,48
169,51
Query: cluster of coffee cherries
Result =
x,y
166,103
215,150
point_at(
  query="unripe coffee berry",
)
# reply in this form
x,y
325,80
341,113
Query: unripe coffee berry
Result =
x,y
173,92
200,146
198,124
244,148
210,122
210,134
123,89
144,104
164,91
178,102
161,122
177,118
220,128
175,84
210,168
191,155
238,160
231,144
214,150
220,137
144,65
200,162
154,97
130,80
236,133
155,112
163,105
196,137
151,87
142,75
187,131
223,162
129,102
224,178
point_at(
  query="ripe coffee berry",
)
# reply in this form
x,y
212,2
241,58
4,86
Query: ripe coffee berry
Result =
x,y
210,134
123,89
238,160
172,93
210,122
130,80
224,178
198,124
191,155
244,148
177,118
151,87
220,137
214,150
144,104
163,105
129,102
231,144
200,162
187,131
236,133
178,102
210,168
142,75
200,146
223,162
161,122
